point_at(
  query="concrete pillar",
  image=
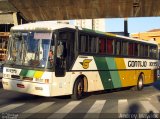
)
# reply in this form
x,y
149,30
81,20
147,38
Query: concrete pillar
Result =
x,y
15,19
126,27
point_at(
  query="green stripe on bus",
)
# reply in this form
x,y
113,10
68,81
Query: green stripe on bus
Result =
x,y
114,74
27,73
105,75
23,72
94,31
100,32
30,73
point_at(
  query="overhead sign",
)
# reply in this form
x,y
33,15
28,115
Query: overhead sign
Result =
x,y
42,35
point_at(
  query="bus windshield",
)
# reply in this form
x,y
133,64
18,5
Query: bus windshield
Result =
x,y
30,49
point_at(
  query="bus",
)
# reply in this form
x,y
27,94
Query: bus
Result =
x,y
49,59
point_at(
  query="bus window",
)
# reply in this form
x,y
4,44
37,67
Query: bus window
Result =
x,y
110,46
93,45
124,48
146,51
136,47
153,52
97,44
87,44
117,47
102,45
82,43
141,50
130,49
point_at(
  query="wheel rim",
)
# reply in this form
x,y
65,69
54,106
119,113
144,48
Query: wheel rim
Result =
x,y
140,83
80,89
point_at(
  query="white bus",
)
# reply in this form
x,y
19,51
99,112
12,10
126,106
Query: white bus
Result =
x,y
49,59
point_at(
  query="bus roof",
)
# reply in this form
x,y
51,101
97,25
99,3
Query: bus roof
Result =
x,y
135,39
42,25
52,25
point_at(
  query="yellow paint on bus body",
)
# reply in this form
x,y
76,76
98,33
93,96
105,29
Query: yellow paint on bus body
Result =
x,y
129,77
38,74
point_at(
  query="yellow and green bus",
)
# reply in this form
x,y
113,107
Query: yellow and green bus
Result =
x,y
49,59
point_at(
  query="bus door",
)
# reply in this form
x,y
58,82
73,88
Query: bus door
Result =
x,y
60,65
65,52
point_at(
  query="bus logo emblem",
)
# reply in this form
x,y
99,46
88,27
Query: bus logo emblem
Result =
x,y
85,63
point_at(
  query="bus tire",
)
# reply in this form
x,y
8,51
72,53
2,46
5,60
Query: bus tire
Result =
x,y
140,85
78,89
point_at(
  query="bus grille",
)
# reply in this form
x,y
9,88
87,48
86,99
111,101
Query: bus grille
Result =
x,y
27,78
15,76
22,78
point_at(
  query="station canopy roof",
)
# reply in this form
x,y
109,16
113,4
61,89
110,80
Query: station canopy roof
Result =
x,y
41,10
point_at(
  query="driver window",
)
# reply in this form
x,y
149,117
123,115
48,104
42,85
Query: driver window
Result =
x,y
52,47
51,54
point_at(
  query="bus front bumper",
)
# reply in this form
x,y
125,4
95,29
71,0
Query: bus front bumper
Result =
x,y
34,88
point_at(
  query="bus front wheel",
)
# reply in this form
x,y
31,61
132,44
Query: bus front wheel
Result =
x,y
78,89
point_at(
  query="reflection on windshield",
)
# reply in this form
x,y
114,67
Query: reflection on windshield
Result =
x,y
29,49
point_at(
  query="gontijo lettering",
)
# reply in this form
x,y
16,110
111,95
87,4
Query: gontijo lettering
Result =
x,y
153,64
137,63
141,63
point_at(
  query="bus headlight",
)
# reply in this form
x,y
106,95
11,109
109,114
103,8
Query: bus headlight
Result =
x,y
46,81
42,80
6,76
38,80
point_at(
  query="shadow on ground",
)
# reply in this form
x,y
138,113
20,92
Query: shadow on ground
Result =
x,y
133,109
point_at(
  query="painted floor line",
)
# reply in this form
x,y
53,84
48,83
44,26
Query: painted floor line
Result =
x,y
149,107
61,113
10,107
122,106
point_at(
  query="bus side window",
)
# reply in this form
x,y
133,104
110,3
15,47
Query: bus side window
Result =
x,y
124,48
93,44
102,45
142,50
118,47
110,46
97,44
146,51
130,49
136,49
82,43
153,52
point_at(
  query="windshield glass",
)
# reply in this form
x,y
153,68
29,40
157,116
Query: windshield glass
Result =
x,y
30,49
